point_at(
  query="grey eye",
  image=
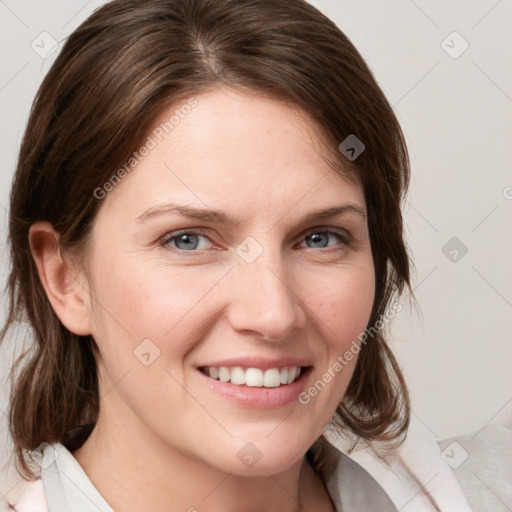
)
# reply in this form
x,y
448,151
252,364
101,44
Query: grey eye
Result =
x,y
318,239
187,241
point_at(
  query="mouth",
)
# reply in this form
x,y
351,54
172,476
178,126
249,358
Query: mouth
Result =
x,y
257,383
255,377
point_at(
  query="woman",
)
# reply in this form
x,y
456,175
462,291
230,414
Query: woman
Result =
x,y
206,240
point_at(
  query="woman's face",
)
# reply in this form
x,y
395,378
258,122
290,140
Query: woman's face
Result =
x,y
202,261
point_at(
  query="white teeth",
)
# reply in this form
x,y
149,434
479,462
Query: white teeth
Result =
x,y
255,377
237,376
224,374
272,378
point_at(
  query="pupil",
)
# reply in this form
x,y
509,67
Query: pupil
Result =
x,y
316,239
188,241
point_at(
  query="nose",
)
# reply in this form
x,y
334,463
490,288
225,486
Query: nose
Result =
x,y
265,301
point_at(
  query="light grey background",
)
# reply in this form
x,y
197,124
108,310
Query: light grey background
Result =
x,y
456,112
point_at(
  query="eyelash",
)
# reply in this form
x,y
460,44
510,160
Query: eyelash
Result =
x,y
343,237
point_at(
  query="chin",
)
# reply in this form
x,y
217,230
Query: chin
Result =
x,y
261,457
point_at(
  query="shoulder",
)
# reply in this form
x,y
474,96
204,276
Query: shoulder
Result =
x,y
352,487
413,477
482,464
50,490
25,496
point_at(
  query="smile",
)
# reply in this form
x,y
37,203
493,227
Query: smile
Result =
x,y
254,377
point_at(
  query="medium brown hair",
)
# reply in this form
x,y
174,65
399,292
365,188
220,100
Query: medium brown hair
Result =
x,y
119,69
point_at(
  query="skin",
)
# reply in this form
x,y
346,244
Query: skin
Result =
x,y
164,440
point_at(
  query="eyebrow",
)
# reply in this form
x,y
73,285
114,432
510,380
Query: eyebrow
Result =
x,y
215,216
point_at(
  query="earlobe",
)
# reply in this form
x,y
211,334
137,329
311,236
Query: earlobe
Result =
x,y
59,276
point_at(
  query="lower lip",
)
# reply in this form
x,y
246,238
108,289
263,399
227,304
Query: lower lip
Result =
x,y
256,397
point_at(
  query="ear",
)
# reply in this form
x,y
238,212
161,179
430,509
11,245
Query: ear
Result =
x,y
62,281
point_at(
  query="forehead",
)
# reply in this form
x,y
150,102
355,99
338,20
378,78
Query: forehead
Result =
x,y
233,151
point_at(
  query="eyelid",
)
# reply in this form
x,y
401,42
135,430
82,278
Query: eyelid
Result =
x,y
328,229
164,240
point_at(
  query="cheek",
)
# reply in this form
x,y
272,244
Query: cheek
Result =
x,y
137,301
344,306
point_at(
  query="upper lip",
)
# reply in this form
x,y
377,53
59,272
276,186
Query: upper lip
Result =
x,y
258,362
